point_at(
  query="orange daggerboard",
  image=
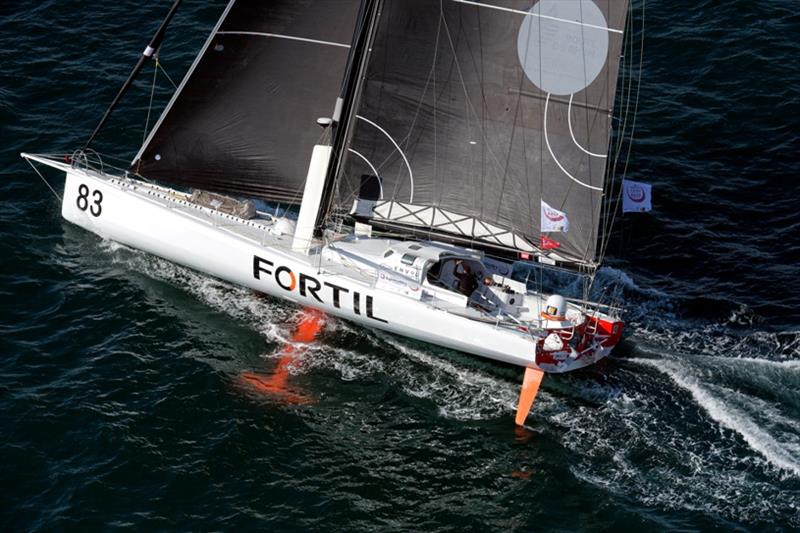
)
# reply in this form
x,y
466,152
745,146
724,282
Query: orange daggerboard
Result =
x,y
275,383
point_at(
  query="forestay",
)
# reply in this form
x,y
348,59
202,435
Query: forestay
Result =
x,y
485,109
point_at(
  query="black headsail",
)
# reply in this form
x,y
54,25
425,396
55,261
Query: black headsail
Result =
x,y
475,115
243,119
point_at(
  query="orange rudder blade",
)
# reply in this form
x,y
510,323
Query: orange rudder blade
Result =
x,y
530,388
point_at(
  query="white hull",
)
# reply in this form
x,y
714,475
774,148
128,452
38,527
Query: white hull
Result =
x,y
162,223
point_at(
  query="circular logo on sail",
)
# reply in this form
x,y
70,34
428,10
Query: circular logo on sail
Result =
x,y
563,45
635,193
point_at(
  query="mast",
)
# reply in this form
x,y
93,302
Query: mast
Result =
x,y
152,48
346,103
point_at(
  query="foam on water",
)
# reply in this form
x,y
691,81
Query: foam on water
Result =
x,y
459,392
748,416
626,412
270,317
649,444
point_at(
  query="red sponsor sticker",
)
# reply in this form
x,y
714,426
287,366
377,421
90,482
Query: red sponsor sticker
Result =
x,y
549,244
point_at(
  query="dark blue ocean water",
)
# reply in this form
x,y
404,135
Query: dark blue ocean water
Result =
x,y
119,396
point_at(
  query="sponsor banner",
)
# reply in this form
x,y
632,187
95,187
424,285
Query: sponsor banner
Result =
x,y
389,281
636,197
553,219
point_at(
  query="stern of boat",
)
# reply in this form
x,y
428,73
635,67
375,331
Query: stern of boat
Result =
x,y
576,347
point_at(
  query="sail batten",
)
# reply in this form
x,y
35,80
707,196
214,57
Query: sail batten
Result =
x,y
279,36
538,15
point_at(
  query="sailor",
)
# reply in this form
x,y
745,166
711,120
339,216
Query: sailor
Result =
x,y
555,308
466,279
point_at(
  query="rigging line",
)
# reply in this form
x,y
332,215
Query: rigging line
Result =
x,y
625,96
612,204
370,165
628,89
633,124
484,105
543,110
511,142
407,139
626,92
466,96
549,149
548,17
402,154
158,64
530,202
479,123
281,36
44,180
470,106
183,82
149,51
591,242
150,104
435,101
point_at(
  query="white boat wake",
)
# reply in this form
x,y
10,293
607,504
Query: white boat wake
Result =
x,y
605,421
744,414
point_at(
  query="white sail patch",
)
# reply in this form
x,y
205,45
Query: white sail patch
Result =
x,y
558,55
636,196
553,219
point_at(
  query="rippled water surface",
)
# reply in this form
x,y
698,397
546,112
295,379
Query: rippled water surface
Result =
x,y
121,401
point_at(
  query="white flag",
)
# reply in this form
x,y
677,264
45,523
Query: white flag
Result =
x,y
636,197
553,219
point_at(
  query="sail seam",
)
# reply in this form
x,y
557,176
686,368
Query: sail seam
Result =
x,y
281,36
527,13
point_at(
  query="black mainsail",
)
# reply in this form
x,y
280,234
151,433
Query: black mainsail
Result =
x,y
243,119
481,118
488,120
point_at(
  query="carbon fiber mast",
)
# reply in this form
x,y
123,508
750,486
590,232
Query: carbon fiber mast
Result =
x,y
346,104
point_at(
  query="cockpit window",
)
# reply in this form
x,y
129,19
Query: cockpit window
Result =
x,y
408,259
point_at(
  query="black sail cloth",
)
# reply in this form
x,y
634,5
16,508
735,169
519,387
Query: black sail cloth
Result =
x,y
495,107
243,120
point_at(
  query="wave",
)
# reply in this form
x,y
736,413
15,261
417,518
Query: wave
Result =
x,y
736,411
619,424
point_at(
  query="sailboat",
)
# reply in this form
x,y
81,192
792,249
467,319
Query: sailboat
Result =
x,y
427,165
